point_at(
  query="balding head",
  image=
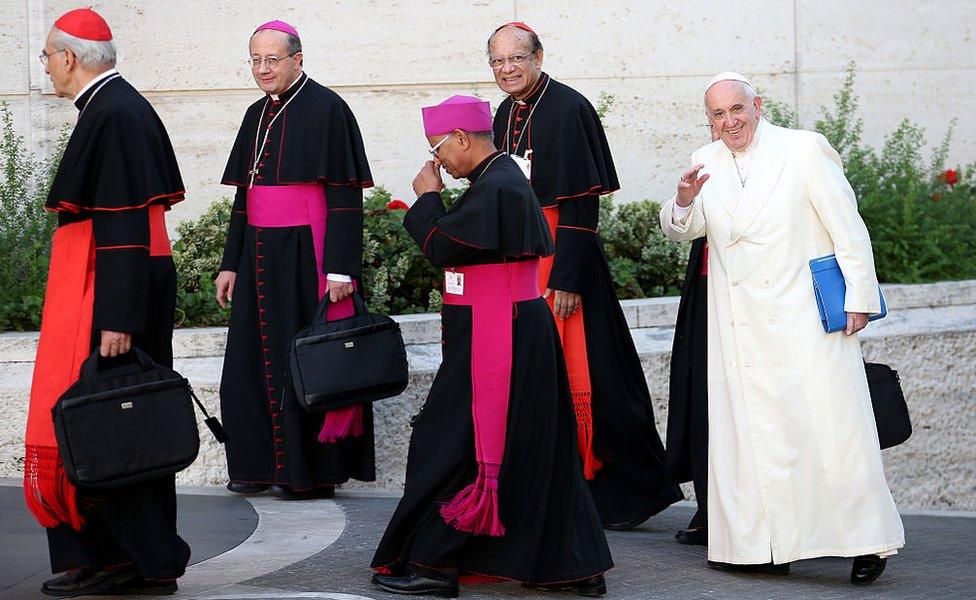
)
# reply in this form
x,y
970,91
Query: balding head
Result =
x,y
515,56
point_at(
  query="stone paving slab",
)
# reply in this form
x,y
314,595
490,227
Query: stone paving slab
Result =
x,y
938,562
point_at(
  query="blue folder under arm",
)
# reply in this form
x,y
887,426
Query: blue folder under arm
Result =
x,y
830,291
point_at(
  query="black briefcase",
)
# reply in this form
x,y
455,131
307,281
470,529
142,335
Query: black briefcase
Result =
x,y
127,424
350,361
890,409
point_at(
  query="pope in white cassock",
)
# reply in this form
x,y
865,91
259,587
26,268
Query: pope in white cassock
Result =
x,y
794,463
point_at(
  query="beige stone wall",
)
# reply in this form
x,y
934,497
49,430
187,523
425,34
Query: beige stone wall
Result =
x,y
387,59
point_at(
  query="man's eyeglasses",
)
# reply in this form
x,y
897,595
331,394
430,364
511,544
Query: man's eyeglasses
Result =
x,y
433,151
45,57
517,60
255,62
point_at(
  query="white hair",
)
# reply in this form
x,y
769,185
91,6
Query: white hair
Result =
x,y
89,53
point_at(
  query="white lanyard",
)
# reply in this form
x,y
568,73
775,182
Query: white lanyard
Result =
x,y
97,89
259,151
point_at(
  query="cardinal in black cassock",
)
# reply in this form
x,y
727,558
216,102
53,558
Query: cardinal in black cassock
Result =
x,y
111,286
687,451
296,233
494,488
554,133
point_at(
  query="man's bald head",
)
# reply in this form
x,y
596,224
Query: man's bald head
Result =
x,y
528,41
515,56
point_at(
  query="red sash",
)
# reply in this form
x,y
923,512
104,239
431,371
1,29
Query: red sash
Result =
x,y
573,336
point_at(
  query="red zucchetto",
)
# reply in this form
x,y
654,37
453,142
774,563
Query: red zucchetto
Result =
x,y
86,24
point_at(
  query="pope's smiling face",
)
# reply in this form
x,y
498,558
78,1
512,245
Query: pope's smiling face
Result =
x,y
520,67
733,111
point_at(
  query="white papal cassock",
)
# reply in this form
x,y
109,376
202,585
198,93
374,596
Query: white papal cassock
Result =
x,y
794,464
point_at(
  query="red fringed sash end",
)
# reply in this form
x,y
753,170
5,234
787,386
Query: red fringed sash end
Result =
x,y
584,433
50,497
475,508
341,424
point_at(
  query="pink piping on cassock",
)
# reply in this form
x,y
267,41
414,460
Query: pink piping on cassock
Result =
x,y
491,291
294,206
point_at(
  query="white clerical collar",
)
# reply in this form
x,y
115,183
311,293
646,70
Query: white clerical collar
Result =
x,y
94,81
297,79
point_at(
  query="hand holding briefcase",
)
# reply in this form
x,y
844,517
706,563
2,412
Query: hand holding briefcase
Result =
x,y
350,361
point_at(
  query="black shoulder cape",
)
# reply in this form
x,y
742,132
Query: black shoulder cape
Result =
x,y
320,141
118,157
563,119
498,213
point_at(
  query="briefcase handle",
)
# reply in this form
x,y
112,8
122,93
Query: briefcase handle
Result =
x,y
357,301
90,370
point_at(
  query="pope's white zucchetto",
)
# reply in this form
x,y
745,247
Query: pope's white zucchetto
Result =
x,y
728,76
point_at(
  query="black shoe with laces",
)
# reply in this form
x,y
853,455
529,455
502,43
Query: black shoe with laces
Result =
x,y
286,493
416,584
592,587
246,488
87,581
693,536
867,568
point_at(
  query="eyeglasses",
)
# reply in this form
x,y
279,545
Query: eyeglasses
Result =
x,y
255,62
433,151
45,57
517,60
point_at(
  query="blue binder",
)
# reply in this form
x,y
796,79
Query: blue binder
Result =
x,y
830,290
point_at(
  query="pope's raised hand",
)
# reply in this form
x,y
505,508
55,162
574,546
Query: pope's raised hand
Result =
x,y
689,185
428,179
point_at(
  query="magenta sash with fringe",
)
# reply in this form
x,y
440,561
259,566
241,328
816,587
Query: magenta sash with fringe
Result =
x,y
294,206
491,291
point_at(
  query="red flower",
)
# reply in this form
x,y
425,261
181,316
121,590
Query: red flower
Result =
x,y
936,197
396,204
951,177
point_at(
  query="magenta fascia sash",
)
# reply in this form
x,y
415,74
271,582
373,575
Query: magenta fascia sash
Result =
x,y
491,291
294,206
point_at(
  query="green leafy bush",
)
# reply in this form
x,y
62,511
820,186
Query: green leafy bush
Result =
x,y
921,217
197,252
25,227
643,262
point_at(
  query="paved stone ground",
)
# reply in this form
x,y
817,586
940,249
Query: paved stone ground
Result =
x,y
211,525
939,561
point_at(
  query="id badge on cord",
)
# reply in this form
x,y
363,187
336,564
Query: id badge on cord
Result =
x,y
524,163
454,283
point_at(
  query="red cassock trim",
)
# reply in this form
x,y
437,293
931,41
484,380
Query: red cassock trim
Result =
x,y
64,205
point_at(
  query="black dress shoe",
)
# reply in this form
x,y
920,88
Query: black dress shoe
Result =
x,y
83,582
246,488
626,525
867,568
142,587
416,584
752,569
693,536
285,492
593,587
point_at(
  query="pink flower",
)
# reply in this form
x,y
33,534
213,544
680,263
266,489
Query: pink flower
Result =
x,y
396,204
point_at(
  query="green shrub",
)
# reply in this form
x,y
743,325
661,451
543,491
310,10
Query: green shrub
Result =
x,y
197,252
923,228
25,227
643,262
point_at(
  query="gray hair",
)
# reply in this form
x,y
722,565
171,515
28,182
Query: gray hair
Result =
x,y
292,43
748,90
89,54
